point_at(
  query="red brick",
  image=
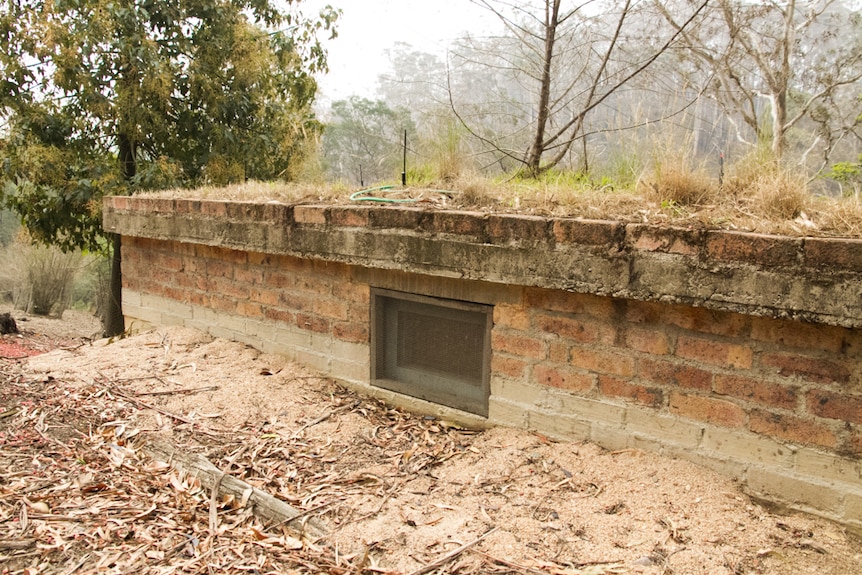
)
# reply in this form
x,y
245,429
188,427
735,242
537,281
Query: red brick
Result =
x,y
313,285
279,315
509,366
512,316
558,352
459,223
715,352
351,332
253,276
221,303
715,411
213,208
350,217
175,293
117,202
352,292
614,387
398,217
312,323
799,334
507,228
228,288
279,280
331,308
598,307
852,445
309,214
249,309
668,373
265,296
650,341
519,345
588,232
832,405
600,361
811,369
756,390
666,240
278,213
791,428
753,248
223,255
563,378
696,319
575,329
833,253
198,298
248,211
296,302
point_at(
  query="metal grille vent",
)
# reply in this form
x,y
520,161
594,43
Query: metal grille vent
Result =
x,y
433,349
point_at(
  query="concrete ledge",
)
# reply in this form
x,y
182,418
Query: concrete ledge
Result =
x,y
755,274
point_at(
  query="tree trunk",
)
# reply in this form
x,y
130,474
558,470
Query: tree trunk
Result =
x,y
114,323
534,156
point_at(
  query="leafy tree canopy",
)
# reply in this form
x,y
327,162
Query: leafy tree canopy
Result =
x,y
111,96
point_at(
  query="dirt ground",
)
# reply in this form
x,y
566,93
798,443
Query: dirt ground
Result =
x,y
394,492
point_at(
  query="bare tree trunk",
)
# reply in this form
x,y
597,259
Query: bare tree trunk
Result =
x,y
114,323
534,156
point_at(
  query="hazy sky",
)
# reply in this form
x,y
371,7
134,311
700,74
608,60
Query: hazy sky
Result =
x,y
368,27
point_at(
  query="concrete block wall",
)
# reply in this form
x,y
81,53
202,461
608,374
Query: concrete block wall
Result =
x,y
775,403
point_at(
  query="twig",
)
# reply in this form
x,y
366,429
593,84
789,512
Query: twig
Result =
x,y
16,543
323,418
449,556
165,412
509,564
176,391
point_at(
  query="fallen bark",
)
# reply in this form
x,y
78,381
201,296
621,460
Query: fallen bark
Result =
x,y
262,504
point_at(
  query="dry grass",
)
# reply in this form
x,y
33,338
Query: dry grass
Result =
x,y
755,197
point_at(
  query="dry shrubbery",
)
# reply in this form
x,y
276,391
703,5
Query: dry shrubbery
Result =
x,y
754,195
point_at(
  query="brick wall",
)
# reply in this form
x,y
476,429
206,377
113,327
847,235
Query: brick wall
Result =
x,y
775,403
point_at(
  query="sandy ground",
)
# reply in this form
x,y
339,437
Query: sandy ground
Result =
x,y
397,493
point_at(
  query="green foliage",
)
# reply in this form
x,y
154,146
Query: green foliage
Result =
x,y
848,173
365,136
102,97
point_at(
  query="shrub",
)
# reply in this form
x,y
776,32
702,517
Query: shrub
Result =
x,y
44,276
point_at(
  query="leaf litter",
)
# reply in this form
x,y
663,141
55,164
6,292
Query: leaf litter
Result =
x,y
85,487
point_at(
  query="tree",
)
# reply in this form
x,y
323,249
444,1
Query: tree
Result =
x,y
363,139
803,59
569,62
108,97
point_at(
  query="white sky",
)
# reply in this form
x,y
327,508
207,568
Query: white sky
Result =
x,y
368,27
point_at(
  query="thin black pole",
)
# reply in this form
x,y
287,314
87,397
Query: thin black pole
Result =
x,y
404,168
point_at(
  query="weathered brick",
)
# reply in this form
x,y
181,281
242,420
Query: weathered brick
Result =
x,y
812,369
352,217
248,211
601,361
791,428
352,292
695,319
512,316
752,248
520,345
506,228
297,302
213,208
588,232
120,203
757,390
781,486
279,315
615,387
652,341
840,406
312,323
330,308
250,276
715,411
249,309
460,223
398,217
575,329
563,378
509,366
229,288
220,303
351,332
269,297
801,335
558,351
715,352
563,301
315,215
666,240
670,373
833,253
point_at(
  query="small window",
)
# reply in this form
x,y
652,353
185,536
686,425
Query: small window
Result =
x,y
433,349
